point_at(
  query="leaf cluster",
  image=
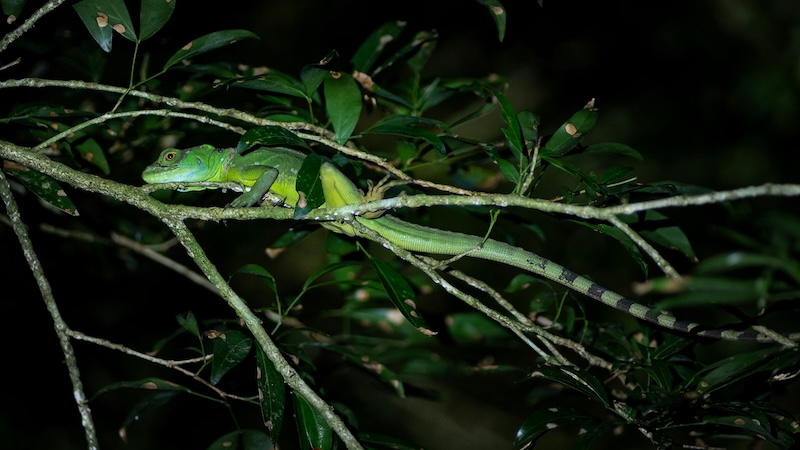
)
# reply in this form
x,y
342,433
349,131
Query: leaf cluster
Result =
x,y
377,113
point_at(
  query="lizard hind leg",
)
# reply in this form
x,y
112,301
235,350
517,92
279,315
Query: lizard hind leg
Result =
x,y
337,188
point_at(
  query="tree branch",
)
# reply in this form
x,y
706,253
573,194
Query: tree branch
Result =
x,y
62,330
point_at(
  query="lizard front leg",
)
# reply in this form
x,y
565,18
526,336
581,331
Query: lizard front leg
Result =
x,y
258,178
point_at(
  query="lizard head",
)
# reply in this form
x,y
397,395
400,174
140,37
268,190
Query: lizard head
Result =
x,y
190,165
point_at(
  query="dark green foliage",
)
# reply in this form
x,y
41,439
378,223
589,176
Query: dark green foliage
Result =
x,y
354,321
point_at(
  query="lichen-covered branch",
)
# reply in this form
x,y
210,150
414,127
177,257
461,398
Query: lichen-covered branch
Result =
x,y
60,325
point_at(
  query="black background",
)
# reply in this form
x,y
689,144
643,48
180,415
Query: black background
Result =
x,y
707,91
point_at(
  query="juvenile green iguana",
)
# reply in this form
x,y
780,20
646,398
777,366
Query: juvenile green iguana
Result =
x,y
274,170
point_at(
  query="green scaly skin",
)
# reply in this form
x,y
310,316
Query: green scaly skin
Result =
x,y
275,170
258,171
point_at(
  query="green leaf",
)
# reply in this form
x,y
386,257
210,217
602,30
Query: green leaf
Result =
x,y
312,429
289,238
409,126
740,260
159,345
273,81
475,328
406,152
101,34
188,322
372,366
43,186
671,237
309,185
401,103
498,13
207,43
732,261
243,440
661,373
271,393
758,424
478,89
388,442
311,77
540,422
336,245
614,173
91,151
576,379
670,346
432,94
781,360
522,281
614,147
231,347
591,429
529,125
270,135
513,132
372,47
657,228
509,171
153,15
103,17
342,104
12,8
385,320
261,273
774,420
622,238
732,369
702,291
332,267
419,59
590,185
401,295
149,383
571,132
155,400
419,39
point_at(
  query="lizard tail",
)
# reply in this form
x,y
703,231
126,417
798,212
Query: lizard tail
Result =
x,y
418,238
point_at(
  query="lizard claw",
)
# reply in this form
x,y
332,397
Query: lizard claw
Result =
x,y
377,191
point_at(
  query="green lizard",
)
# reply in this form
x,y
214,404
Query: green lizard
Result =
x,y
274,170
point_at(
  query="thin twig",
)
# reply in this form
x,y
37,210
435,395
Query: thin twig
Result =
x,y
144,112
163,260
497,297
651,251
62,329
253,323
172,364
319,134
431,272
16,33
525,325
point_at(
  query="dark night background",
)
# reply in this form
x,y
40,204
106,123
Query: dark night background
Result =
x,y
706,90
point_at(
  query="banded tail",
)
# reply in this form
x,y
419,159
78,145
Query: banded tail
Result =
x,y
418,238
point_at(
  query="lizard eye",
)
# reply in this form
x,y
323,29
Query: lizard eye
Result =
x,y
169,156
